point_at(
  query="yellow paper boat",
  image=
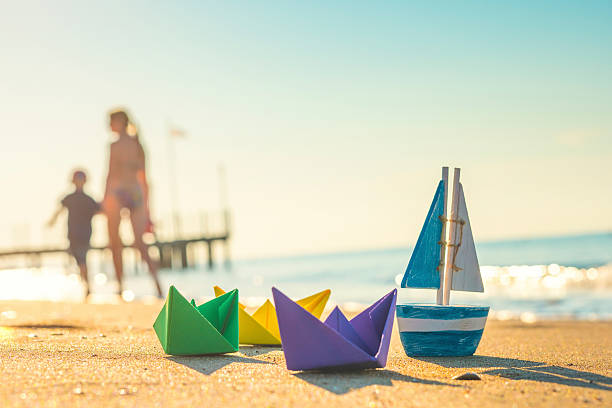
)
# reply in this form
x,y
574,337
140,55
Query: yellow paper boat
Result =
x,y
262,326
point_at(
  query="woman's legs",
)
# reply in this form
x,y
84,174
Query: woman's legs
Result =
x,y
112,209
139,224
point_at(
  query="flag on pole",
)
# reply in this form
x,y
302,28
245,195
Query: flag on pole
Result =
x,y
177,132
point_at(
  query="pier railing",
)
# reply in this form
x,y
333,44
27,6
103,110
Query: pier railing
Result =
x,y
181,252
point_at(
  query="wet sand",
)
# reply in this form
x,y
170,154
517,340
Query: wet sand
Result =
x,y
68,354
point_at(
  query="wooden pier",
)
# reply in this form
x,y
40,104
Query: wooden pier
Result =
x,y
168,250
170,253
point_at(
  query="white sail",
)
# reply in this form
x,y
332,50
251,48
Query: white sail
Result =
x,y
466,274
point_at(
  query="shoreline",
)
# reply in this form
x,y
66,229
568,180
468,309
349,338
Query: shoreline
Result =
x,y
58,354
254,302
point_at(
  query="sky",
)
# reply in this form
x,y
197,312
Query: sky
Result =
x,y
331,119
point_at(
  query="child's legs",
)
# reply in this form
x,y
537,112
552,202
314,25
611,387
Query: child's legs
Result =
x,y
79,252
83,270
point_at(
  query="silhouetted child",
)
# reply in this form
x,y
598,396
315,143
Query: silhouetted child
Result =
x,y
81,209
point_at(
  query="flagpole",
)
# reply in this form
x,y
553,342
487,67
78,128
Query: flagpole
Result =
x,y
223,200
172,184
224,203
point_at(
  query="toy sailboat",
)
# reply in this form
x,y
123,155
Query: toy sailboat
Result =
x,y
186,329
262,327
310,344
441,329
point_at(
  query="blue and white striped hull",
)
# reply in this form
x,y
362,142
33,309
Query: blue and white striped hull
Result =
x,y
435,330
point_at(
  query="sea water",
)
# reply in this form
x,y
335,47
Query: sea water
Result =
x,y
562,277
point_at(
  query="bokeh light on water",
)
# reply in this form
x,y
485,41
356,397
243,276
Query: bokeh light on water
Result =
x,y
527,293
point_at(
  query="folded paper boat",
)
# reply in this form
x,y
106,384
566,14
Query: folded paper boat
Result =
x,y
186,329
337,343
262,326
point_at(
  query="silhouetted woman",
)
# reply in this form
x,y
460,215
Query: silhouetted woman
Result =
x,y
126,187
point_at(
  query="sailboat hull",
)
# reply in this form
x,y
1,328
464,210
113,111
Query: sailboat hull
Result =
x,y
436,330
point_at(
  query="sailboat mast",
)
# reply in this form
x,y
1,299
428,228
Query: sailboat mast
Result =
x,y
442,264
448,265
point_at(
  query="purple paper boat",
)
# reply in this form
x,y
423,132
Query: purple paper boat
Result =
x,y
310,344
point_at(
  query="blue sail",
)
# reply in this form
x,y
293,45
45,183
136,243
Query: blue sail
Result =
x,y
422,270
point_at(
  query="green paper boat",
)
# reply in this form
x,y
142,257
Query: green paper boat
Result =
x,y
186,329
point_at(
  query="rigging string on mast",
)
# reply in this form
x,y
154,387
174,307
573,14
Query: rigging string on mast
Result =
x,y
455,246
442,242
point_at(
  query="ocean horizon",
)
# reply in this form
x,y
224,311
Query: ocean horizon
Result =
x,y
501,251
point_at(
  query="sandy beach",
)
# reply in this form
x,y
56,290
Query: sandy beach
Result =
x,y
70,354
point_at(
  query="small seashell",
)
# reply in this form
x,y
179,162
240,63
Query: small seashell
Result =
x,y
77,390
32,335
467,376
127,390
